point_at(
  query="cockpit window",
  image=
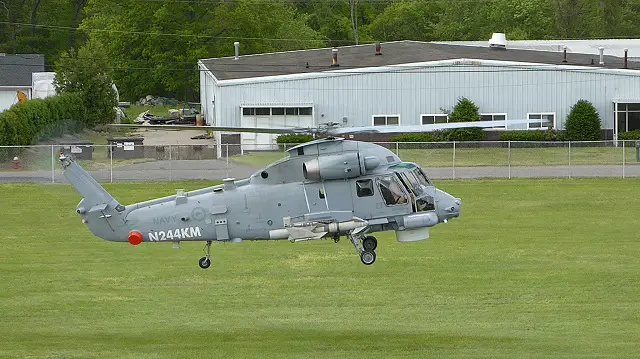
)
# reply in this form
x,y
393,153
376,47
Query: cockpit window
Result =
x,y
391,191
422,178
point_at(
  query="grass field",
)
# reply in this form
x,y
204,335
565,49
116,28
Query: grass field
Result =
x,y
487,156
531,269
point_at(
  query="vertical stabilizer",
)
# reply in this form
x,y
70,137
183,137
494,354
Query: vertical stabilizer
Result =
x,y
81,180
99,210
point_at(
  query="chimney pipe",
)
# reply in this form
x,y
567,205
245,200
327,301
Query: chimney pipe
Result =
x,y
378,49
334,61
625,57
601,55
565,54
237,48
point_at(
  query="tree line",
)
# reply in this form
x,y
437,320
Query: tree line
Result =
x,y
152,46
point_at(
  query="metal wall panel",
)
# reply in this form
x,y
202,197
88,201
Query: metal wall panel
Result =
x,y
410,93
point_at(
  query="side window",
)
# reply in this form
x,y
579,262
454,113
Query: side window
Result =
x,y
364,188
391,191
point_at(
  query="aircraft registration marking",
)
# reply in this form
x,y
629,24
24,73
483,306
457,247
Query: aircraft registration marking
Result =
x,y
178,233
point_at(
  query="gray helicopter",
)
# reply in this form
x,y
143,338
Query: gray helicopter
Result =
x,y
324,189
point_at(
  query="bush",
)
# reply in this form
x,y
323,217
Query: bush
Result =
x,y
631,135
532,135
40,119
464,111
583,123
292,138
416,137
449,135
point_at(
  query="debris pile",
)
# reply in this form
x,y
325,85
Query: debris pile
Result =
x,y
151,100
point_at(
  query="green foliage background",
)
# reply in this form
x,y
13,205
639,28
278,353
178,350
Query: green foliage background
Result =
x,y
153,46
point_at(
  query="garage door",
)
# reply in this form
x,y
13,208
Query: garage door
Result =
x,y
272,117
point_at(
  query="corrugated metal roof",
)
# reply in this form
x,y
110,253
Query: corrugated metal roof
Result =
x,y
16,69
612,47
393,53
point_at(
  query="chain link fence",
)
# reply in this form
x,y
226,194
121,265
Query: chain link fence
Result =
x,y
441,160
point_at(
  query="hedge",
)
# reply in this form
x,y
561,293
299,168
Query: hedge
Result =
x,y
40,119
532,135
454,134
631,135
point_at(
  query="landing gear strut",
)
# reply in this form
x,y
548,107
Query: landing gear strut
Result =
x,y
367,250
205,262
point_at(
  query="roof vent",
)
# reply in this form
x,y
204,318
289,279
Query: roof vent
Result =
x,y
378,49
237,47
601,49
334,61
498,41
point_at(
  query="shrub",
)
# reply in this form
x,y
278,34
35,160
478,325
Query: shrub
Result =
x,y
583,123
532,135
292,138
416,137
631,135
40,119
463,134
464,111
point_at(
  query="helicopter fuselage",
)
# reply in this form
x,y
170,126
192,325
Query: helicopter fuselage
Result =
x,y
326,188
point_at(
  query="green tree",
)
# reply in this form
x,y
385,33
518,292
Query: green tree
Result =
x,y
87,73
583,123
413,20
464,111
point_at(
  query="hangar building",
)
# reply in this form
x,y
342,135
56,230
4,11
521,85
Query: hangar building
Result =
x,y
410,83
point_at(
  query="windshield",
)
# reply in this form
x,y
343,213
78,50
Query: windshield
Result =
x,y
422,178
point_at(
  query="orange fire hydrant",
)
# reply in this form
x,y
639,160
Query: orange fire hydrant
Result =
x,y
15,163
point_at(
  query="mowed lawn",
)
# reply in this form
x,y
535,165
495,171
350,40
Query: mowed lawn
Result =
x,y
443,155
532,269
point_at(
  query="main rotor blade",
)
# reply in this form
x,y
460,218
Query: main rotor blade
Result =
x,y
217,128
428,128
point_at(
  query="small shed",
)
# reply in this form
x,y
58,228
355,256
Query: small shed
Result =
x,y
79,150
126,147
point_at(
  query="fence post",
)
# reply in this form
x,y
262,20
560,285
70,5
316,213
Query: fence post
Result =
x,y
170,167
111,162
397,152
454,159
227,157
624,155
509,157
53,166
569,159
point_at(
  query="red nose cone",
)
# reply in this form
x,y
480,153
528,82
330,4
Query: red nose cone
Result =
x,y
135,238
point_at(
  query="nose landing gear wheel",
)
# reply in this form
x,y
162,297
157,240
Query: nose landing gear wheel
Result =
x,y
204,262
369,243
368,257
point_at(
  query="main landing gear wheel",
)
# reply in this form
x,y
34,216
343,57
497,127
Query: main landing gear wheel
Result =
x,y
205,261
369,243
368,257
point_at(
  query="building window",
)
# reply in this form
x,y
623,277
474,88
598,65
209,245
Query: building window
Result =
x,y
386,120
494,117
277,111
543,117
263,111
364,188
433,119
304,111
628,116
